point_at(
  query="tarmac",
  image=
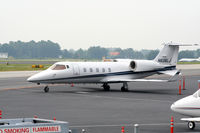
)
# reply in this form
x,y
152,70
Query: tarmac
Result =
x,y
89,107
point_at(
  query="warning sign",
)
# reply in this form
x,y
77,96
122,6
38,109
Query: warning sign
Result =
x,y
40,129
44,129
15,130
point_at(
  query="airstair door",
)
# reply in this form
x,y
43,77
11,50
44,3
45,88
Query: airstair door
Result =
x,y
76,69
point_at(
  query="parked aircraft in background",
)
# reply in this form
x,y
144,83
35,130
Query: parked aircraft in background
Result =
x,y
189,106
118,71
190,60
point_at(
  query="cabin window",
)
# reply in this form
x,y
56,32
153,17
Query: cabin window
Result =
x,y
58,67
91,70
84,70
67,66
109,69
103,70
97,70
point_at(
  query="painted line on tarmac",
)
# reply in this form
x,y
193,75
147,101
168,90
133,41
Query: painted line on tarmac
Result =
x,y
159,124
25,87
17,88
118,125
101,125
121,98
82,92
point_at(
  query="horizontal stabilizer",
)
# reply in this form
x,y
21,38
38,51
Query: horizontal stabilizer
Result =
x,y
175,76
169,72
180,44
191,119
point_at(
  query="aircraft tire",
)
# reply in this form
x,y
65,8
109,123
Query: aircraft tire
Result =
x,y
123,89
46,89
191,125
106,87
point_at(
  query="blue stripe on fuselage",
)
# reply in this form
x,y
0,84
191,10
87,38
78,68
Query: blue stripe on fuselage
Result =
x,y
111,74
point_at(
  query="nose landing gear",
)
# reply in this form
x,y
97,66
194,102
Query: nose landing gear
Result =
x,y
191,125
46,89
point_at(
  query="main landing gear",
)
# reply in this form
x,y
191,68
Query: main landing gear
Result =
x,y
106,87
46,89
124,88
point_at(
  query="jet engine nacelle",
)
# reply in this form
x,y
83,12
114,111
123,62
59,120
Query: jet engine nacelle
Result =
x,y
144,65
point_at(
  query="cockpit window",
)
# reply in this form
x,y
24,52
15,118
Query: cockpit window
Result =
x,y
58,67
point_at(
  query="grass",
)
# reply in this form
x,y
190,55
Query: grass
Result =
x,y
188,62
21,67
28,67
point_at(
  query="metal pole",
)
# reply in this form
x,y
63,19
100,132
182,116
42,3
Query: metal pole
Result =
x,y
136,126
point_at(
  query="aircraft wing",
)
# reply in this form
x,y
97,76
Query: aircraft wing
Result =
x,y
191,119
117,80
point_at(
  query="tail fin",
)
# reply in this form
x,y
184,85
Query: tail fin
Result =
x,y
169,54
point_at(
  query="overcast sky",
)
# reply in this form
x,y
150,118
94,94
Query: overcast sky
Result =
x,y
137,24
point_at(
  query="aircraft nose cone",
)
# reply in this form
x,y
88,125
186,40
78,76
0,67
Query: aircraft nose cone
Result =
x,y
173,107
37,78
34,78
30,79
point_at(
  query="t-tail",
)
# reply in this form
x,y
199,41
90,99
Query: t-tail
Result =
x,y
168,55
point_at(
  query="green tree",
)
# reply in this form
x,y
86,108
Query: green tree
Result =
x,y
186,54
152,54
96,52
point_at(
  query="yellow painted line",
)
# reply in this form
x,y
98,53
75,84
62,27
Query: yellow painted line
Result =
x,y
27,87
24,87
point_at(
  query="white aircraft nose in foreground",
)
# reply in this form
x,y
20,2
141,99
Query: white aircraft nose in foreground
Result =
x,y
121,71
189,106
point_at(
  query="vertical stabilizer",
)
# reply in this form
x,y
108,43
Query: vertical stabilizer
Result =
x,y
168,55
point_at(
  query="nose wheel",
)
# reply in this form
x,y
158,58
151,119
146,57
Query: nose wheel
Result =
x,y
46,89
191,125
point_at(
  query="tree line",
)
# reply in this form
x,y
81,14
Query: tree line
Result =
x,y
49,49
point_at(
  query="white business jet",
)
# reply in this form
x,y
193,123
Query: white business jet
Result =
x,y
189,106
118,71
